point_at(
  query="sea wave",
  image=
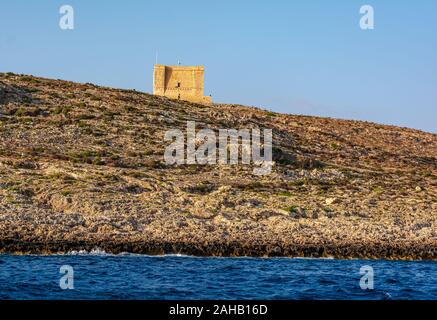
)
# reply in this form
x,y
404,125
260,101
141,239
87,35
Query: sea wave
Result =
x,y
100,252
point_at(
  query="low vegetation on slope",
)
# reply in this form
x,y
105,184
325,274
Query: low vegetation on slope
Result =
x,y
82,166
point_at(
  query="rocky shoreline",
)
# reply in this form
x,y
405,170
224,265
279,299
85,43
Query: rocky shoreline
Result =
x,y
363,251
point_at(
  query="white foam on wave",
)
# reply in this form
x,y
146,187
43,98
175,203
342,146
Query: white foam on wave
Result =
x,y
102,253
93,252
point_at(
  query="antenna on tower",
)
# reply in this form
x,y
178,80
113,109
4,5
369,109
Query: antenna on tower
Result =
x,y
179,62
156,58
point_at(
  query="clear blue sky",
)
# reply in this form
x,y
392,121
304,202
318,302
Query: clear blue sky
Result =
x,y
302,57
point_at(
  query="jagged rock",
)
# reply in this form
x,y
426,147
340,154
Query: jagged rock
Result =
x,y
329,201
315,214
301,213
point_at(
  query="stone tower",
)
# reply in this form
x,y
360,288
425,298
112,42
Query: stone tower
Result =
x,y
180,82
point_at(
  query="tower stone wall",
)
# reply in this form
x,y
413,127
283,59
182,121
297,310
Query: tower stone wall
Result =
x,y
180,82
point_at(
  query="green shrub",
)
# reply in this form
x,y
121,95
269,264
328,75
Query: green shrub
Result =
x,y
62,110
65,193
271,114
292,209
285,194
20,112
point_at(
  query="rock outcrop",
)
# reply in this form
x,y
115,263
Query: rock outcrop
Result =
x,y
81,167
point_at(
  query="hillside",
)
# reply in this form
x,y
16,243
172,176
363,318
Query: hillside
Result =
x,y
82,167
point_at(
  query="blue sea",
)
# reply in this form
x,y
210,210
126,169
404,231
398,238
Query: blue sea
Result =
x,y
128,276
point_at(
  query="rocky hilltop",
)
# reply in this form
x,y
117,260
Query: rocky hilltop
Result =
x,y
82,167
